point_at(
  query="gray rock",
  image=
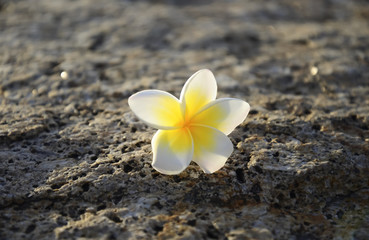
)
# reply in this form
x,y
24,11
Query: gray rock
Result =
x,y
75,161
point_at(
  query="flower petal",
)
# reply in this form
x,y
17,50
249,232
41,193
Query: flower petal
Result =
x,y
212,148
157,109
172,149
200,89
224,114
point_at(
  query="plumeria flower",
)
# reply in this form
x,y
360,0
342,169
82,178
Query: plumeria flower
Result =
x,y
195,127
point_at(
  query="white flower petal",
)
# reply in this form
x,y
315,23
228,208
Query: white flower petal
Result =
x,y
199,90
212,148
224,114
172,150
157,109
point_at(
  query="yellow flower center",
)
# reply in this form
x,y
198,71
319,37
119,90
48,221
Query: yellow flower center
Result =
x,y
186,123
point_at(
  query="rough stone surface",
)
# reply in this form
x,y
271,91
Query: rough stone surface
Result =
x,y
75,162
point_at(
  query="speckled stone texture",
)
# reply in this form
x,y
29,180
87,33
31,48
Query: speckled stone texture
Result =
x,y
75,161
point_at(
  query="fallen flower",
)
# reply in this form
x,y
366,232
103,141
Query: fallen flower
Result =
x,y
195,127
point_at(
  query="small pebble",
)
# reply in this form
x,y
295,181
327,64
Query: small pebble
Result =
x,y
314,70
64,75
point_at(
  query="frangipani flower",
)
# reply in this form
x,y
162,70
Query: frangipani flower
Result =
x,y
195,127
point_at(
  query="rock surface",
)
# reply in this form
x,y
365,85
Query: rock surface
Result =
x,y
75,162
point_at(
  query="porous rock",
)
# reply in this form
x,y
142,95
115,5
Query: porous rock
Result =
x,y
75,162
